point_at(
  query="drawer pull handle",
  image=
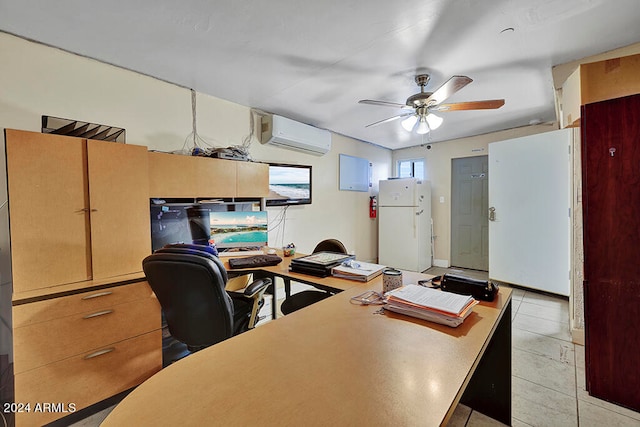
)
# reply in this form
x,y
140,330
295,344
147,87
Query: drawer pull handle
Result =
x,y
97,313
99,294
99,353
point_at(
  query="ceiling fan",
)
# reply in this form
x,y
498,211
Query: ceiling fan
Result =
x,y
425,103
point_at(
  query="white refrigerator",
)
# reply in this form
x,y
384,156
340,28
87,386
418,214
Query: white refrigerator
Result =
x,y
404,224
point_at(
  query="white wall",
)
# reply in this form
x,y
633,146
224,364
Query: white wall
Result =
x,y
438,171
37,80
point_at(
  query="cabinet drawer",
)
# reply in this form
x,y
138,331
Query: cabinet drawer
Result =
x,y
54,308
88,378
41,343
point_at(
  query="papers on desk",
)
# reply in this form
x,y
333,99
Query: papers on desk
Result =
x,y
430,304
357,270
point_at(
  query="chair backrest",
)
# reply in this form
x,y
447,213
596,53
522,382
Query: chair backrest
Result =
x,y
205,251
330,245
190,289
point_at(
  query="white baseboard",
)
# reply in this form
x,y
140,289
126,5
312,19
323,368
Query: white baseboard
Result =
x,y
441,263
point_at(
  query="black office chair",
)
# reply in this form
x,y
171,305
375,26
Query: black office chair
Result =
x,y
306,298
189,284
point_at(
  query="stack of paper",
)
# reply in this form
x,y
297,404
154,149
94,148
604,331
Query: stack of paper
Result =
x,y
430,304
357,270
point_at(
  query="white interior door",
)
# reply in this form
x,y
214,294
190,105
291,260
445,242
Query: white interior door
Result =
x,y
529,193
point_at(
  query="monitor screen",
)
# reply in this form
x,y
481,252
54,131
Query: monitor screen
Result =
x,y
169,224
289,185
239,229
176,222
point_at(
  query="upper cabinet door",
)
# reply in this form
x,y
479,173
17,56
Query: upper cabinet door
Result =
x,y
119,205
48,208
253,179
175,176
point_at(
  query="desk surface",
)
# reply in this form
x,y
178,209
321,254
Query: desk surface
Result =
x,y
332,363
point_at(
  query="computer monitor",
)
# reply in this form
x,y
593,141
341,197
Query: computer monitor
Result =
x,y
189,222
239,229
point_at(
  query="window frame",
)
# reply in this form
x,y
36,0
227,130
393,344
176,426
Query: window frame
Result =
x,y
412,163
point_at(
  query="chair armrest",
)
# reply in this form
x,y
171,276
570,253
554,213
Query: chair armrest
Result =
x,y
256,286
255,290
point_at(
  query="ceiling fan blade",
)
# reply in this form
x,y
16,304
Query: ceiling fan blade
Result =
x,y
489,104
447,89
384,103
390,119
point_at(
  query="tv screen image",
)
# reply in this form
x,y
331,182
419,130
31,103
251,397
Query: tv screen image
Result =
x,y
233,229
289,185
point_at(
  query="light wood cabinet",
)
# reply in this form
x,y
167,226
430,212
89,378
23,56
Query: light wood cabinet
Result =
x,y
46,342
186,176
89,377
79,220
78,209
119,196
53,308
85,347
599,81
175,176
48,199
85,327
253,179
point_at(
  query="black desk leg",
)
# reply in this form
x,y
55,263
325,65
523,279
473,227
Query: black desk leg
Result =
x,y
489,390
287,287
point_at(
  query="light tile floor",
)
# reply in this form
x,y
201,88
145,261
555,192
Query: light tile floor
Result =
x,y
548,386
548,371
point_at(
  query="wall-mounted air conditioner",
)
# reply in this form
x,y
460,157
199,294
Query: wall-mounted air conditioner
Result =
x,y
287,133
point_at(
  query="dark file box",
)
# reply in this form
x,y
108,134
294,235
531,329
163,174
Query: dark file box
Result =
x,y
484,290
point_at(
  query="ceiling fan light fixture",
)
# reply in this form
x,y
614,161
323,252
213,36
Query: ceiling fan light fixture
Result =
x,y
434,121
423,126
409,123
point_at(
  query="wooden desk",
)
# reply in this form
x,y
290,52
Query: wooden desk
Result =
x,y
328,283
335,363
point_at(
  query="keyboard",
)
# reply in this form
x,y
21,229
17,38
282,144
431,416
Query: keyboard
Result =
x,y
239,253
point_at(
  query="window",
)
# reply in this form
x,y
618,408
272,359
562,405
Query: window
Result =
x,y
411,168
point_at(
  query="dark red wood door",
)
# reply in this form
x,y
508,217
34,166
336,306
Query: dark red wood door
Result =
x,y
611,208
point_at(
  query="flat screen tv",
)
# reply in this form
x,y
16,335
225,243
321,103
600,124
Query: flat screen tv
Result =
x,y
289,185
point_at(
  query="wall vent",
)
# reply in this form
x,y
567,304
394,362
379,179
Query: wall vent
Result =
x,y
80,129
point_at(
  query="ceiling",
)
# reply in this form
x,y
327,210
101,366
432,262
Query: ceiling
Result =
x,y
312,61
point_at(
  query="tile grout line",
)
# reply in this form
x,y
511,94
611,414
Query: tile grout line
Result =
x,y
544,386
542,335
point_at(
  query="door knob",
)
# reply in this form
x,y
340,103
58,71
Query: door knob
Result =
x,y
492,213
